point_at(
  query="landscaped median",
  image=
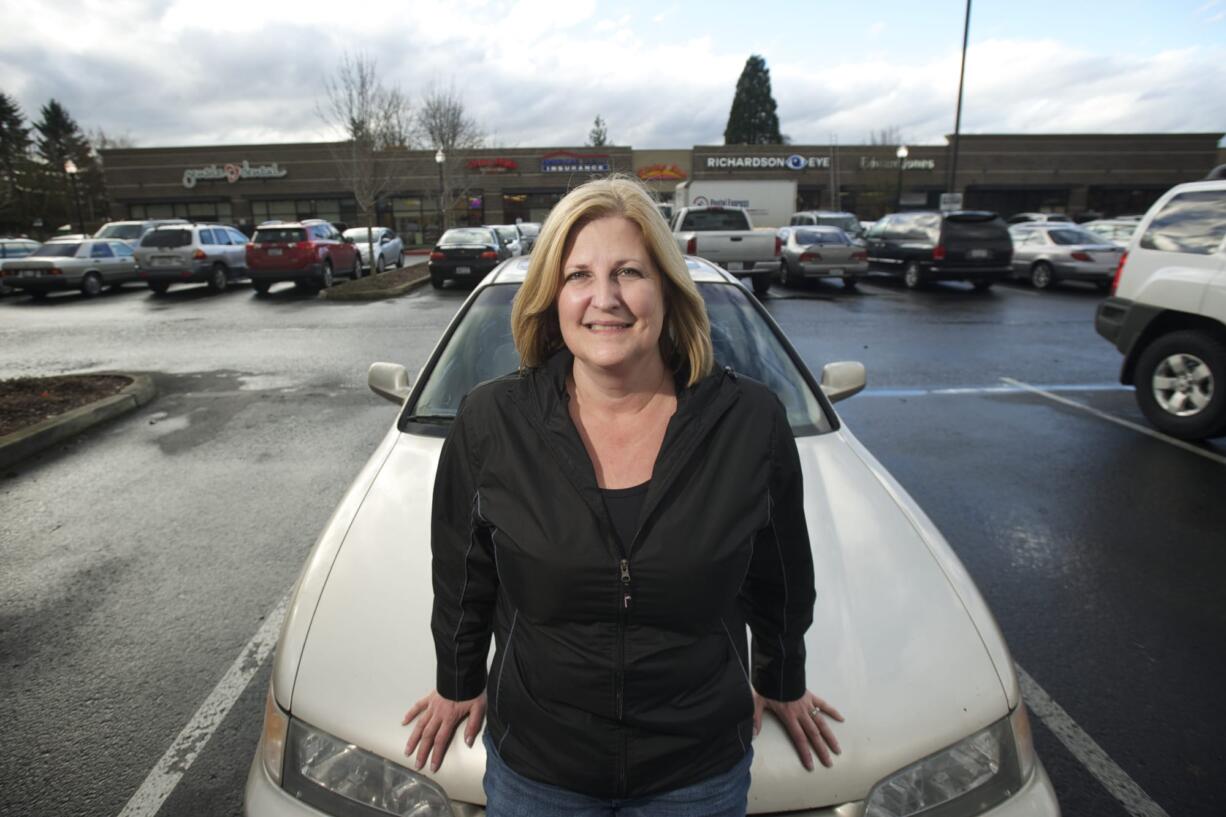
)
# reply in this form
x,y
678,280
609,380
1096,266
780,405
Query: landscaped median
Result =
x,y
390,284
38,412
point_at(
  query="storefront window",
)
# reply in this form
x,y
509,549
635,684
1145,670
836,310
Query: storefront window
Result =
x,y
218,211
529,205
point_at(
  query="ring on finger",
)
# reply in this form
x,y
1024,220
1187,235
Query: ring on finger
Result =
x,y
815,711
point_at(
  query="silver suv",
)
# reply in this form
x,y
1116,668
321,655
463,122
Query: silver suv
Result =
x,y
213,254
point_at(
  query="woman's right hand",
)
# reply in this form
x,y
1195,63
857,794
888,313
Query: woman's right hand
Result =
x,y
439,717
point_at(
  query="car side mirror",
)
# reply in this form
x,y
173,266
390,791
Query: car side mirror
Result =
x,y
383,239
843,379
389,380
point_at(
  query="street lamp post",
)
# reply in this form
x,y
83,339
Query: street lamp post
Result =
x,y
901,153
439,158
70,167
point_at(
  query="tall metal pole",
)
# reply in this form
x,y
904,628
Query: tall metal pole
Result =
x,y
953,165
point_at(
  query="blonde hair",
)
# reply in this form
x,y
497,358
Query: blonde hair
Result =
x,y
685,341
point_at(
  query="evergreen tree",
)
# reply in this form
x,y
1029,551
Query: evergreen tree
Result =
x,y
14,156
752,120
598,136
59,139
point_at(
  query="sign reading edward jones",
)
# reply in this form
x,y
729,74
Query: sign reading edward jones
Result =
x,y
231,172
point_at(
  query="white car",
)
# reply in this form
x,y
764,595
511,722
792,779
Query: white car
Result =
x,y
509,235
388,247
902,642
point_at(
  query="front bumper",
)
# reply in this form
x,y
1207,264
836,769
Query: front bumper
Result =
x,y
472,270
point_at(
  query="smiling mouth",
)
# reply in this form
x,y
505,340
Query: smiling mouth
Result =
x,y
606,327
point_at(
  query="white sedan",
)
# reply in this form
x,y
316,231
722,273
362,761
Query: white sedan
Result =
x,y
902,642
388,247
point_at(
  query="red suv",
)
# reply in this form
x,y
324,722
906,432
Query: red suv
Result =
x,y
311,253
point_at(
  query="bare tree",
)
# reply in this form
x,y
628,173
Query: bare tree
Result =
x,y
598,136
443,123
891,135
376,121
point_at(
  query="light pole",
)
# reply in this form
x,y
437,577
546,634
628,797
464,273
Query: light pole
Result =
x,y
439,158
901,153
70,167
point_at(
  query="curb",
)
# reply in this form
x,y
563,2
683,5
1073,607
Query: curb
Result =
x,y
377,295
27,441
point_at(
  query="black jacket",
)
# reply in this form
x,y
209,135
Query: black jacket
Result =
x,y
620,674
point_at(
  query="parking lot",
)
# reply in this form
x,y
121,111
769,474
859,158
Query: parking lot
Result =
x,y
146,559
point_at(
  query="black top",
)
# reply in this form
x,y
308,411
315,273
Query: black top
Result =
x,y
624,506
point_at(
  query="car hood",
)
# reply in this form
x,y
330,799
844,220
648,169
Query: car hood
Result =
x,y
901,643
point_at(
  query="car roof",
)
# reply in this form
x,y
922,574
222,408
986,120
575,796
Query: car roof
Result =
x,y
514,270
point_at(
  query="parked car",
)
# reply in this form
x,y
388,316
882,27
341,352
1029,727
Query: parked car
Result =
x,y
896,611
66,263
1046,253
1167,312
1116,230
510,237
131,232
821,252
15,248
726,236
528,231
962,245
466,254
388,247
1020,218
311,253
847,222
213,254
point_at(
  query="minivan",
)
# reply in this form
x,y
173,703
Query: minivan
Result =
x,y
923,246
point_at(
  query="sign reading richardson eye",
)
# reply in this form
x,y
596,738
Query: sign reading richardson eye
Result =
x,y
793,162
231,172
563,161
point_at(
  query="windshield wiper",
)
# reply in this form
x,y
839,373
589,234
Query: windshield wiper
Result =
x,y
429,418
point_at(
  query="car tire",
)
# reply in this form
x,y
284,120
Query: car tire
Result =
x,y
261,287
159,288
380,267
218,278
400,259
437,280
1178,369
1041,276
761,284
326,278
91,285
911,276
785,273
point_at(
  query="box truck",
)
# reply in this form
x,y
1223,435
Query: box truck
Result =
x,y
770,202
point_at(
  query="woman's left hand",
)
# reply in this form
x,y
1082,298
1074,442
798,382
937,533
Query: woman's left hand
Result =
x,y
805,721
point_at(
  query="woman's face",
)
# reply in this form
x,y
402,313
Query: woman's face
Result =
x,y
611,303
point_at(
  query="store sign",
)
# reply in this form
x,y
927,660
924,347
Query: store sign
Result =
x,y
873,163
562,161
661,173
231,172
793,162
493,165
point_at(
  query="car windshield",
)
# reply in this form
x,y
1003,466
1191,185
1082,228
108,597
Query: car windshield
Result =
x,y
507,233
807,237
167,238
481,348
1066,236
65,250
452,237
124,232
279,235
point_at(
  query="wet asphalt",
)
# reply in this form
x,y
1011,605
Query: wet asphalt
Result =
x,y
141,557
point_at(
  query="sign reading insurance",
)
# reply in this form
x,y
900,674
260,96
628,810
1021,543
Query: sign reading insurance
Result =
x,y
231,172
563,161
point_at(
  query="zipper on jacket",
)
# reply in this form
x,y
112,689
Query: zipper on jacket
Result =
x,y
623,610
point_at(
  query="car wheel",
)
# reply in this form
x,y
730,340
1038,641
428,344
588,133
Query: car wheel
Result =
x,y
982,286
400,259
91,284
1181,385
159,288
218,278
261,287
785,273
325,279
761,284
1041,275
911,276
437,280
381,266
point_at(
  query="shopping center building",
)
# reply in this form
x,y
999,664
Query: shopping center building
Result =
x,y
1107,174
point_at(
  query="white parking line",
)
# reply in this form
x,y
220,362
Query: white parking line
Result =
x,y
162,780
1157,435
1083,747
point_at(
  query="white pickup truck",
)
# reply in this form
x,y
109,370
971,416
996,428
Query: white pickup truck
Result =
x,y
725,236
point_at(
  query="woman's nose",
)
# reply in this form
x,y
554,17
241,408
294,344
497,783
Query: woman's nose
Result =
x,y
606,294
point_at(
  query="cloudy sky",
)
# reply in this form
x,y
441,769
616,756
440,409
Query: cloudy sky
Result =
x,y
662,74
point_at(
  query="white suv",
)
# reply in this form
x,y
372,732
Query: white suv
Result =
x,y
1167,313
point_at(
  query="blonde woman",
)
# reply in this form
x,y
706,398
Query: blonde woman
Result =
x,y
614,514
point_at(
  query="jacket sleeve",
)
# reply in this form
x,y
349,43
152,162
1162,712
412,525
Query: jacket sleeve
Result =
x,y
778,592
464,573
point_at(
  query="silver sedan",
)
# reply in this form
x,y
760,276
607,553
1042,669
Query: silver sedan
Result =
x,y
1048,253
62,263
821,252
389,248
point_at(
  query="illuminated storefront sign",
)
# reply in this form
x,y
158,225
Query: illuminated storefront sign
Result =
x,y
493,165
562,161
231,172
661,173
793,162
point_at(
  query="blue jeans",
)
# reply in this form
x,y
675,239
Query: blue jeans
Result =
x,y
509,794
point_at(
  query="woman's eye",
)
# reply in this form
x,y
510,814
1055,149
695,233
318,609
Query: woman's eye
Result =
x,y
630,272
576,275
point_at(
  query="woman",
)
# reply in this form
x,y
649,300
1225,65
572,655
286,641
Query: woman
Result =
x,y
615,514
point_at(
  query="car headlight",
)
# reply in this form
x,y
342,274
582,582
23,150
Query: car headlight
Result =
x,y
338,778
968,778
